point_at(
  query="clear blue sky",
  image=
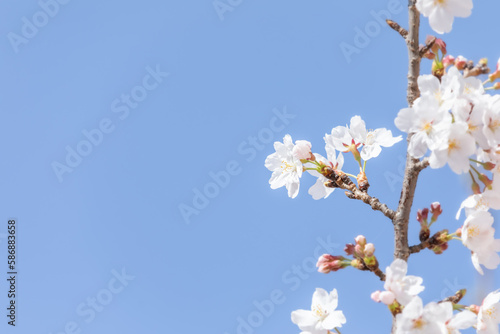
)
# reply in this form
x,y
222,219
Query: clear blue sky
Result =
x,y
114,211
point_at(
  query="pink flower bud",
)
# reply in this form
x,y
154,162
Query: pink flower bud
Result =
x,y
422,215
485,179
439,44
387,297
327,263
369,250
436,208
375,296
448,60
360,240
489,165
476,189
460,62
436,211
496,85
302,150
474,308
358,250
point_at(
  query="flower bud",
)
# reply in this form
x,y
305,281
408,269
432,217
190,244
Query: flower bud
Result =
x,y
424,233
362,180
440,44
436,208
486,181
460,62
375,296
436,211
356,263
422,215
476,189
387,297
369,249
448,60
360,240
302,150
496,85
458,232
359,250
327,263
474,308
488,165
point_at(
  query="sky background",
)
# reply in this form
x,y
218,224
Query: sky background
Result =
x,y
107,231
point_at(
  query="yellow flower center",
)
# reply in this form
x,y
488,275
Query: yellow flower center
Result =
x,y
452,145
491,312
427,127
494,125
473,231
439,2
286,167
418,323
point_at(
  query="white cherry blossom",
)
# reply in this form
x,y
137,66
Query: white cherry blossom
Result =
x,y
286,167
445,91
319,190
425,119
348,138
417,319
403,287
479,236
442,12
488,317
323,315
491,121
453,145
462,320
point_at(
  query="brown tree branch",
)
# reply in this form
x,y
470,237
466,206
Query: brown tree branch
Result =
x,y
413,166
341,180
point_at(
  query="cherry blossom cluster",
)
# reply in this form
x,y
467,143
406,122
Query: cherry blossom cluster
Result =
x,y
291,159
454,121
401,296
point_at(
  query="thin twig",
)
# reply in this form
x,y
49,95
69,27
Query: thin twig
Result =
x,y
455,299
402,31
341,180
